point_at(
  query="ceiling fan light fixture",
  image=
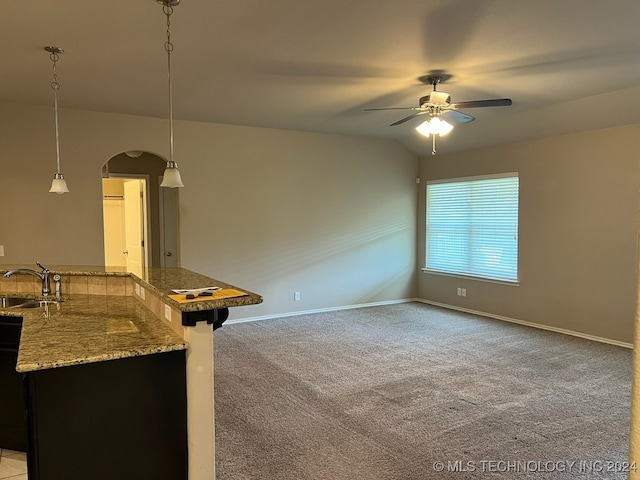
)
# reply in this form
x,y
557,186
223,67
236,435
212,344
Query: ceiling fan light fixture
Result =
x,y
434,126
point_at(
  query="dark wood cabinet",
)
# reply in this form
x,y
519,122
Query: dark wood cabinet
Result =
x,y
123,419
13,426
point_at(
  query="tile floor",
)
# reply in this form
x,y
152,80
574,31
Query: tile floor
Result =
x,y
13,465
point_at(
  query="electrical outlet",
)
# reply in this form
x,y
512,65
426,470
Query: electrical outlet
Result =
x,y
459,291
167,312
296,296
1,250
137,289
142,293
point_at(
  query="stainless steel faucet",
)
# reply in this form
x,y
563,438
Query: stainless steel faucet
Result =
x,y
43,276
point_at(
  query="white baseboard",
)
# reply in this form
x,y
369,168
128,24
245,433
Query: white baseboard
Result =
x,y
528,324
319,310
436,304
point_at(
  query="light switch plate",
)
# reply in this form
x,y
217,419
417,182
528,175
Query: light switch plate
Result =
x,y
142,293
137,289
167,312
1,250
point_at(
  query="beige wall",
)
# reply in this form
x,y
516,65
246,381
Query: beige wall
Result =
x,y
578,232
331,216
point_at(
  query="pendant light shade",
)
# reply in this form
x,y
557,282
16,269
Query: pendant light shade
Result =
x,y
171,177
59,184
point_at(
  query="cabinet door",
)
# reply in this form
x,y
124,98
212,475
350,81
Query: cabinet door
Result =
x,y
119,419
10,328
13,427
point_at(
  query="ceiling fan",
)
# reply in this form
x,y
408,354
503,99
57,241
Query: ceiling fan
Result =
x,y
438,104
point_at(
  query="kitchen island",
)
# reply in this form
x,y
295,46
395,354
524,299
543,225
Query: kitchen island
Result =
x,y
114,332
90,328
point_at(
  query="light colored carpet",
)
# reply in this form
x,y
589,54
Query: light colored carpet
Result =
x,y
386,392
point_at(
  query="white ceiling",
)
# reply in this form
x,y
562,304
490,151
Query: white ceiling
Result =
x,y
568,65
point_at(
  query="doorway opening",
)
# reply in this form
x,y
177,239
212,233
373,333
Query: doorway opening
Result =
x,y
124,206
140,218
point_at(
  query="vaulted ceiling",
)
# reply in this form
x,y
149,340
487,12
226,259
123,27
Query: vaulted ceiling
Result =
x,y
568,65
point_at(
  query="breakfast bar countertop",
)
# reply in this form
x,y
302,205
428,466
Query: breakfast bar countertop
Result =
x,y
90,328
86,328
161,280
164,280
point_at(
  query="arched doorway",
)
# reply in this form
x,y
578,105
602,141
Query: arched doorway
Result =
x,y
122,175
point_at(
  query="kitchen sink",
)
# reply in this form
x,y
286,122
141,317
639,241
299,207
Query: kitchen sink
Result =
x,y
18,302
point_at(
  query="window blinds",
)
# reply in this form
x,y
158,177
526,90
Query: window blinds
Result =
x,y
472,227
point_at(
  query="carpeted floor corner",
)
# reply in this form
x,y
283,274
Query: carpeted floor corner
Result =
x,y
385,393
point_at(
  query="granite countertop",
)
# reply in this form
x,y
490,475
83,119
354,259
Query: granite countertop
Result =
x,y
90,328
161,281
94,328
164,280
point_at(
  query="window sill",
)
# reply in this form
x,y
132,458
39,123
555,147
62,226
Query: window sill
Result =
x,y
511,283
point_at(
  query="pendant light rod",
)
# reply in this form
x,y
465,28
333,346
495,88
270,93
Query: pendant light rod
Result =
x,y
54,55
171,177
59,185
167,8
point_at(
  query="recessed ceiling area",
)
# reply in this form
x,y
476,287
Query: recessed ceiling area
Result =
x,y
568,65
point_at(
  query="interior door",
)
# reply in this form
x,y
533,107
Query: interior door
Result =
x,y
114,244
134,225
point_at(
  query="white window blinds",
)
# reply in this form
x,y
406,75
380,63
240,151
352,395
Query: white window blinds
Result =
x,y
472,227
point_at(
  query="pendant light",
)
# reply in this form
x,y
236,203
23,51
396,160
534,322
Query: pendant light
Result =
x,y
59,184
171,177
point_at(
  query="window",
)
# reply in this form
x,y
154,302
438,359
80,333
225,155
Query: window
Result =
x,y
472,227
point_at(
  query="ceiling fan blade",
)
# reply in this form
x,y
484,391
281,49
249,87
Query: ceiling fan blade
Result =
x,y
459,117
390,108
405,119
498,102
